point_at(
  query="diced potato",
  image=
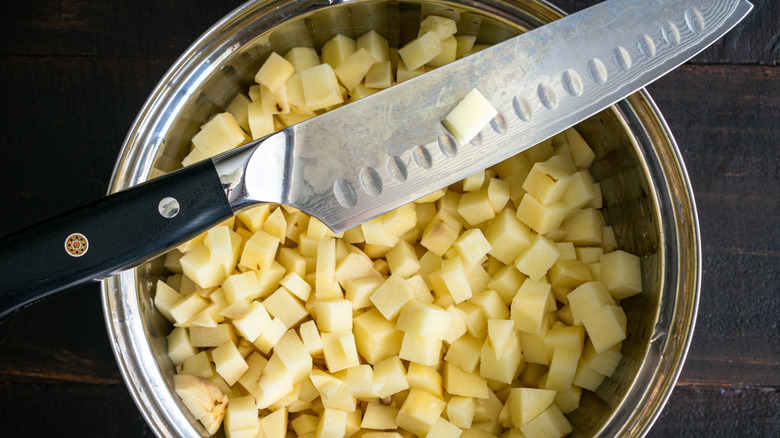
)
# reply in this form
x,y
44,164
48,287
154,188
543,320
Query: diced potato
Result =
x,y
458,382
375,337
274,102
529,306
621,273
380,75
274,72
229,362
550,423
337,49
354,68
448,54
469,116
391,296
527,403
320,87
419,411
379,417
606,327
218,135
443,27
538,258
420,51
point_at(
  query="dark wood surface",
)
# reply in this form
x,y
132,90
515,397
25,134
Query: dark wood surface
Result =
x,y
74,73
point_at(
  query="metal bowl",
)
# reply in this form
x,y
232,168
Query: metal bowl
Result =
x,y
647,197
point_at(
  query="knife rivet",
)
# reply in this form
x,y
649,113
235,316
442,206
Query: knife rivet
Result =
x,y
168,207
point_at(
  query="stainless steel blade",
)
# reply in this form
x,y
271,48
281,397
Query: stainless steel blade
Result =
x,y
369,157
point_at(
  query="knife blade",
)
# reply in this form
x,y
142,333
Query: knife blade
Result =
x,y
364,159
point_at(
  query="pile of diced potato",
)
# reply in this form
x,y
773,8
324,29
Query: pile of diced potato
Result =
x,y
480,310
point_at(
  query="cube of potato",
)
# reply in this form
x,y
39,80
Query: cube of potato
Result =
x,y
539,217
498,192
419,411
238,109
302,58
197,266
340,351
586,377
337,49
443,429
164,299
530,305
525,404
402,259
241,417
244,286
358,291
453,275
460,411
296,99
375,337
469,116
465,44
187,307
550,423
476,323
391,296
504,365
274,102
538,258
581,190
284,306
563,336
274,72
218,135
260,122
472,246
588,298
448,54
218,241
506,281
507,236
296,285
332,424
229,362
379,417
606,327
354,68
379,76
424,319
443,26
376,44
276,225
581,153
464,353
440,233
320,87
254,217
293,354
605,362
179,346
584,227
419,51
621,274
458,382
563,365
334,315
274,424
251,325
403,73
310,336
326,287
259,251
390,372
212,336
425,351
270,336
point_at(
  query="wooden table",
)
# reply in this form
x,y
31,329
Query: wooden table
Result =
x,y
75,73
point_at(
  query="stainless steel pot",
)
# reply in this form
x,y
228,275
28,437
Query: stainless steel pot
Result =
x,y
647,197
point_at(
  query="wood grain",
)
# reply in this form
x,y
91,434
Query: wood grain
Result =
x,y
76,72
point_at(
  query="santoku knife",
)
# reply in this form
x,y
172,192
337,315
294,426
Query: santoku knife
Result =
x,y
369,157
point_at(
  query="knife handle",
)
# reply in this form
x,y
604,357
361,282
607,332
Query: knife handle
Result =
x,y
108,235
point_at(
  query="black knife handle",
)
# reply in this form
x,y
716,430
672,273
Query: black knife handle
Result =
x,y
108,235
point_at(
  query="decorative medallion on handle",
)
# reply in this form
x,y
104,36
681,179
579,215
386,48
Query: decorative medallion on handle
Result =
x,y
76,245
